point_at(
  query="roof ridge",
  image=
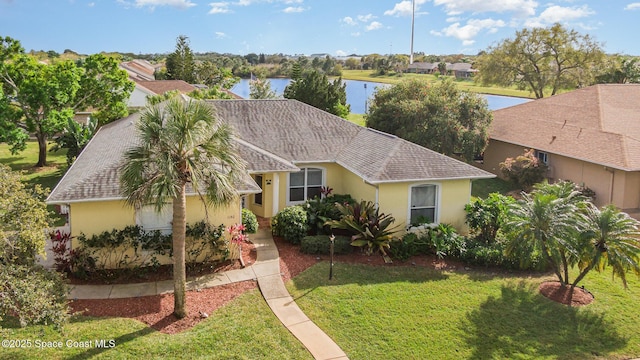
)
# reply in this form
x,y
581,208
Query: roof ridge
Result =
x,y
390,155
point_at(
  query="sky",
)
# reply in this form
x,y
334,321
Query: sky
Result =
x,y
336,27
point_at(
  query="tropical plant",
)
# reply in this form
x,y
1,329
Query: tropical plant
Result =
x,y
321,210
486,216
613,239
549,220
370,228
75,137
261,89
181,142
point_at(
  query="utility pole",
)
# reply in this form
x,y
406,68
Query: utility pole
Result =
x,y
413,16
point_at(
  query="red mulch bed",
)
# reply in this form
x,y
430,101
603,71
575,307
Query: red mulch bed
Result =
x,y
554,291
156,311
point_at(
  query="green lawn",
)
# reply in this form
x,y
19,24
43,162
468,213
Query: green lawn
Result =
x,y
24,161
357,119
416,313
483,187
369,75
243,329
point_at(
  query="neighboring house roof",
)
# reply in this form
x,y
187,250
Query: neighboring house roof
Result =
x,y
139,69
598,124
423,65
302,134
162,86
272,136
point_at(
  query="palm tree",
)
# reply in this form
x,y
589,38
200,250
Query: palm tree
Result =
x,y
180,142
548,220
613,239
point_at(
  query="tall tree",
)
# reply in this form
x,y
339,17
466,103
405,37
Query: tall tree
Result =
x,y
439,117
315,89
620,70
180,64
181,142
39,98
541,59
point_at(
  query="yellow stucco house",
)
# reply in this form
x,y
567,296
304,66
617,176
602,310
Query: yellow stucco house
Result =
x,y
590,136
292,150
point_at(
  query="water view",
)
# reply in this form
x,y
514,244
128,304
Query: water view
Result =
x,y
360,92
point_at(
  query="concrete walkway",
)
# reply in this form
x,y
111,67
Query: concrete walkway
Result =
x,y
266,270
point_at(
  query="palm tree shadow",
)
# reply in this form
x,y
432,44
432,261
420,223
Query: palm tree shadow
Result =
x,y
523,323
96,350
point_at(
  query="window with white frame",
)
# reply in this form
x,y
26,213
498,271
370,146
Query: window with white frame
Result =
x,y
150,219
543,157
424,204
305,184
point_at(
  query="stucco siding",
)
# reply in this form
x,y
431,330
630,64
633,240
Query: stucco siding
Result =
x,y
452,197
621,188
95,217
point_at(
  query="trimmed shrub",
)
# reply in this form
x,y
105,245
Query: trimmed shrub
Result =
x,y
481,254
409,245
319,244
290,223
525,170
34,295
250,221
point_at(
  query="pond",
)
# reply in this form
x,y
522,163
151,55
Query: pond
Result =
x,y
360,92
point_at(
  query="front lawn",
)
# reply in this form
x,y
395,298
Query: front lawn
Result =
x,y
243,329
483,187
415,313
24,161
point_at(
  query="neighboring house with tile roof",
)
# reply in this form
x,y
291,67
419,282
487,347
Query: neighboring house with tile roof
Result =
x,y
590,136
292,150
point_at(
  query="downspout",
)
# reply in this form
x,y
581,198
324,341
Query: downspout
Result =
x,y
612,171
377,191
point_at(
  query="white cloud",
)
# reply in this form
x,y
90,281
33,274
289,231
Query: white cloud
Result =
x,y
292,9
349,20
633,6
557,14
366,18
180,4
219,8
374,26
468,32
517,7
341,53
453,19
220,35
404,8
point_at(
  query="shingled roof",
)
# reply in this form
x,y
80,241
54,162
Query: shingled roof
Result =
x,y
272,136
598,124
300,133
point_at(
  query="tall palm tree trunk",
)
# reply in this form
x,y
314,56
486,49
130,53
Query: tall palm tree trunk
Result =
x,y
179,268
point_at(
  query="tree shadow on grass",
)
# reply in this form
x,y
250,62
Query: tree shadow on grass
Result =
x,y
119,341
521,323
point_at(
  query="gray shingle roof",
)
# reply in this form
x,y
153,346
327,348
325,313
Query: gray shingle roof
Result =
x,y
272,135
599,124
301,133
